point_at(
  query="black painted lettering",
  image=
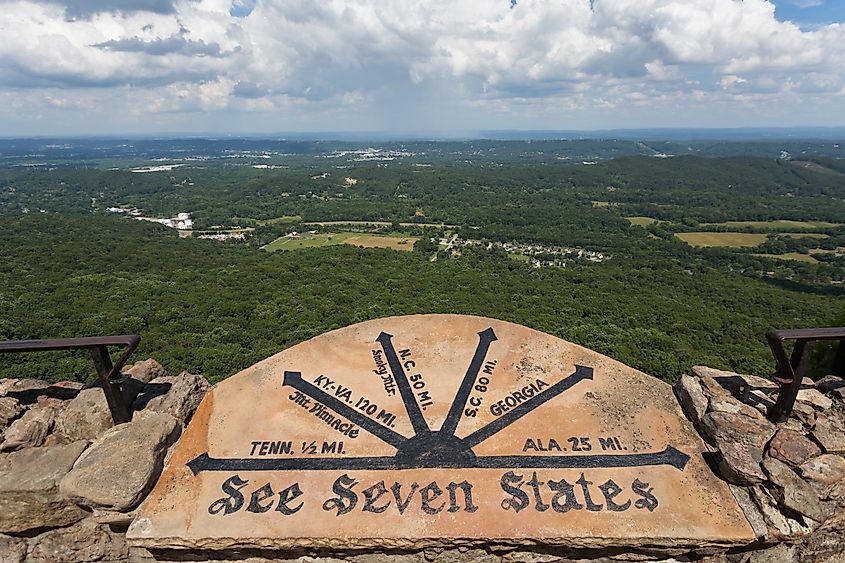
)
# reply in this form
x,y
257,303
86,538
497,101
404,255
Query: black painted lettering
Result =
x,y
648,500
453,501
259,495
538,499
288,495
429,493
396,488
611,490
519,499
585,487
371,495
346,499
567,490
234,501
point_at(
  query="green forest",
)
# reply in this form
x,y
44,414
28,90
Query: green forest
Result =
x,y
68,267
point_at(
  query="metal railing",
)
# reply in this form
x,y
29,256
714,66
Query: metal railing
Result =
x,y
791,369
109,374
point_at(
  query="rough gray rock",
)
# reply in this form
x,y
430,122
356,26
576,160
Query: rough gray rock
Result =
x,y
829,383
825,545
725,427
794,493
9,409
740,464
29,488
751,510
84,541
121,466
781,553
804,413
177,396
734,382
26,391
31,429
86,416
792,447
815,398
691,397
776,522
829,431
726,403
12,550
823,472
146,370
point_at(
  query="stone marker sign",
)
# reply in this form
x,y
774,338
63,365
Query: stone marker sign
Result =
x,y
438,429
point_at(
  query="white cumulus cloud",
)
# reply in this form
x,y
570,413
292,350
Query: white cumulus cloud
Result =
x,y
205,64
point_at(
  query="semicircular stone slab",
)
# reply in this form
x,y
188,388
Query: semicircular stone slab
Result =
x,y
438,430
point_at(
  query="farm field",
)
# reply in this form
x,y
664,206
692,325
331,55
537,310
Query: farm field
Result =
x,y
797,256
356,239
776,225
376,223
804,235
735,240
641,221
274,221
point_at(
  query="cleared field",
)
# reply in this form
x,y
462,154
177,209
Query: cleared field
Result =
x,y
377,223
779,225
798,257
306,241
375,241
804,235
274,221
816,167
641,221
356,239
734,240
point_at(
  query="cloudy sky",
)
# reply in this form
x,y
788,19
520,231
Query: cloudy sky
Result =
x,y
224,66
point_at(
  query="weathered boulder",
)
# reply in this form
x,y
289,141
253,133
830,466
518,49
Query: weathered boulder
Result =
x,y
792,447
9,409
31,428
830,383
740,464
145,371
84,541
691,397
777,523
725,427
823,472
829,431
86,416
794,493
26,391
825,545
177,396
29,488
12,550
815,398
751,510
726,403
734,382
804,413
122,465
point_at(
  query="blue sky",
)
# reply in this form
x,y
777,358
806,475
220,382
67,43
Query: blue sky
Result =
x,y
811,12
270,66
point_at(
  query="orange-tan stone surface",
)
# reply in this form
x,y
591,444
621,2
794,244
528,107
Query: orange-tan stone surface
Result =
x,y
437,430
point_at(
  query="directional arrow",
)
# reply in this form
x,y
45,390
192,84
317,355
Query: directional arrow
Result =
x,y
294,379
418,422
670,456
581,373
485,338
